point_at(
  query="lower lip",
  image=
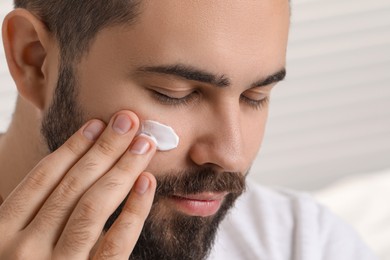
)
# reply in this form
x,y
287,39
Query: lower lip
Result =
x,y
201,208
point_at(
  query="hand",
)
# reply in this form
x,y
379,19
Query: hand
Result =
x,y
59,210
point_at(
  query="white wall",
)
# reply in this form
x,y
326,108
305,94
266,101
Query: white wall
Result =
x,y
331,118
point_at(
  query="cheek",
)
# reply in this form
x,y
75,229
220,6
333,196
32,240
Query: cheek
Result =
x,y
253,133
178,158
100,101
104,90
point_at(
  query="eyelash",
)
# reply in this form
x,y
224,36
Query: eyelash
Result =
x,y
256,104
167,100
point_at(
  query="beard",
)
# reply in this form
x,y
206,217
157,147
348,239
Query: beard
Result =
x,y
167,234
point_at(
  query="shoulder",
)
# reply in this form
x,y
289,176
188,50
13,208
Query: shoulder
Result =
x,y
275,223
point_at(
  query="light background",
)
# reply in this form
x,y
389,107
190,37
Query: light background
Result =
x,y
331,117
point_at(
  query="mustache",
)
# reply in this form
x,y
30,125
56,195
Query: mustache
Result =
x,y
192,181
197,180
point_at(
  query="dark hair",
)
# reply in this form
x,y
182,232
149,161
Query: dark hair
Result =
x,y
75,23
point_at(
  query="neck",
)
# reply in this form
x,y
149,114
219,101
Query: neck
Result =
x,y
21,147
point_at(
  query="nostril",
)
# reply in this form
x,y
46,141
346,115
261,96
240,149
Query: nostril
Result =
x,y
220,157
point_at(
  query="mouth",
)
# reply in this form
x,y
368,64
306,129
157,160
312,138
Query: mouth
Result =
x,y
202,204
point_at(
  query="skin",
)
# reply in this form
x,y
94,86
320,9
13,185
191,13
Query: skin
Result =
x,y
245,42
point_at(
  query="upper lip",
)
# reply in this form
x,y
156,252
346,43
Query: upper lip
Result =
x,y
204,196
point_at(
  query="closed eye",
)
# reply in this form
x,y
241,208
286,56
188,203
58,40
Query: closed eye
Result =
x,y
255,103
175,101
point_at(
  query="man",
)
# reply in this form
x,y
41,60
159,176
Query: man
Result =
x,y
88,74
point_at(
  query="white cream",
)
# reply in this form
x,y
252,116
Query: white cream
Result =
x,y
163,135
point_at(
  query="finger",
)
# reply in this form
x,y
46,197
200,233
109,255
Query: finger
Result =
x,y
95,207
110,146
119,241
23,203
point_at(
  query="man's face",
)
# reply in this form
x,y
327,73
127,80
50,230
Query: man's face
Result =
x,y
244,42
203,68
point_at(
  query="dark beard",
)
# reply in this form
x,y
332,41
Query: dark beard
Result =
x,y
167,234
179,236
64,116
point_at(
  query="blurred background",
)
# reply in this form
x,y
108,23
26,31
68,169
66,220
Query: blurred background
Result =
x,y
331,118
329,125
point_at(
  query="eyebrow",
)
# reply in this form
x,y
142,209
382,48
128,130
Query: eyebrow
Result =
x,y
191,73
274,78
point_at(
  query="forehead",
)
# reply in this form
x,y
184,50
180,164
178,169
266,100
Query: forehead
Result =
x,y
226,16
217,35
221,21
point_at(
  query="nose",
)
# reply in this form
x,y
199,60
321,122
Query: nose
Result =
x,y
219,141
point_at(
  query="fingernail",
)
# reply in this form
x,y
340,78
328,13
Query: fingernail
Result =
x,y
93,130
122,124
141,146
142,185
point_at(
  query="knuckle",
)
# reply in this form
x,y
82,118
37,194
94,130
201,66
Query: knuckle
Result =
x,y
129,224
134,214
69,187
75,239
109,249
38,179
74,146
113,184
90,164
105,147
12,209
87,210
124,166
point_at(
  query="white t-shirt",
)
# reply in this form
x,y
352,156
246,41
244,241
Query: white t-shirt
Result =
x,y
276,224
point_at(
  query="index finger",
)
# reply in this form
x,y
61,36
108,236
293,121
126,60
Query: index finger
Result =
x,y
22,204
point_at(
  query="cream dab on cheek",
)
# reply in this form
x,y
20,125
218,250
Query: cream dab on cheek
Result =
x,y
163,135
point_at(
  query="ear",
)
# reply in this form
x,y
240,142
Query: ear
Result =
x,y
26,40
